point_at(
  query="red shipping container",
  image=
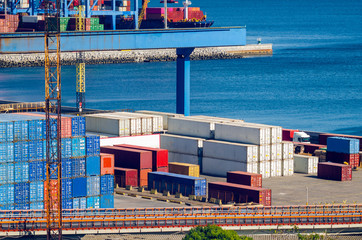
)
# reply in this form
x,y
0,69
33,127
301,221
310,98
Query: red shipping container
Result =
x,y
53,194
334,171
351,159
159,156
231,192
107,164
288,134
129,158
126,177
324,136
244,178
162,169
143,177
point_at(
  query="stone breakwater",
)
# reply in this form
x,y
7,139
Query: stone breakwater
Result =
x,y
131,56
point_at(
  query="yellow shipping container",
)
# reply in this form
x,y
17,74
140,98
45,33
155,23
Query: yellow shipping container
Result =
x,y
184,169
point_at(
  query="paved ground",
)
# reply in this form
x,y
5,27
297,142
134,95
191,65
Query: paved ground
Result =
x,y
137,202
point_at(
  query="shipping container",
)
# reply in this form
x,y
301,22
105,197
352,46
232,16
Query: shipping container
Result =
x,y
181,144
126,177
191,127
164,115
351,159
287,150
119,126
92,145
162,169
78,167
66,168
67,191
21,170
143,177
334,171
129,158
305,164
288,134
244,178
264,169
93,186
93,202
36,205
107,201
66,147
7,196
150,123
78,147
22,206
21,193
7,173
287,167
177,183
242,133
238,152
343,145
80,203
37,191
219,167
184,169
323,138
159,156
6,152
93,165
107,163
21,151
184,158
231,192
6,130
53,194
107,184
79,187
67,203
36,150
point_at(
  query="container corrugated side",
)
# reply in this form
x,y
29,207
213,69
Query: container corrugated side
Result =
x,y
181,144
78,147
6,130
107,184
21,193
21,170
78,167
107,201
66,168
126,177
107,163
230,151
7,195
36,171
36,150
67,188
66,147
219,167
184,168
184,158
287,150
93,165
80,203
92,145
79,187
191,127
343,145
109,125
37,191
93,202
146,121
305,164
164,115
93,186
6,152
7,173
244,178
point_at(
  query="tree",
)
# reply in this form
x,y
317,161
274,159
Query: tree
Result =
x,y
212,232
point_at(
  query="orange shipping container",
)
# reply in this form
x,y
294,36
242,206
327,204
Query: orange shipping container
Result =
x,y
143,177
107,163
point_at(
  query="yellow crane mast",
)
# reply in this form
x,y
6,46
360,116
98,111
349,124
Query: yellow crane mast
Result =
x,y
80,65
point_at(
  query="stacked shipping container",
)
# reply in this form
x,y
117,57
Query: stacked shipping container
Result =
x,y
184,169
305,164
341,149
8,23
22,163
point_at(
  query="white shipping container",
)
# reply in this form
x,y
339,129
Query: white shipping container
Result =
x,y
215,119
267,152
291,167
230,151
273,152
279,151
254,167
264,169
242,133
183,158
273,168
164,116
219,167
261,153
146,121
288,150
279,168
305,164
191,127
135,124
108,125
181,144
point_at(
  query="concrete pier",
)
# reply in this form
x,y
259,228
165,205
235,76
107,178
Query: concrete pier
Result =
x,y
134,56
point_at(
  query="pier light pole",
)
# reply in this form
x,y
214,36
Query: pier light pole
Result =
x,y
165,15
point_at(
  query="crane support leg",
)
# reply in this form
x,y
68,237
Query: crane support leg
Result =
x,y
183,80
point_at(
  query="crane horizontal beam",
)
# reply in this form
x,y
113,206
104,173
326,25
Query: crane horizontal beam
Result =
x,y
126,39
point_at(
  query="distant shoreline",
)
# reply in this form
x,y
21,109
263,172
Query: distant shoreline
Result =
x,y
134,56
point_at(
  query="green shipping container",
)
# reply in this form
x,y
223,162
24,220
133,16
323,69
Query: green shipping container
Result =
x,y
94,20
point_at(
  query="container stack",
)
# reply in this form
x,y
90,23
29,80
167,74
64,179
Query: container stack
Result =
x,y
335,171
140,160
8,23
177,183
126,177
124,6
323,138
184,169
124,123
287,158
341,149
305,164
22,167
174,14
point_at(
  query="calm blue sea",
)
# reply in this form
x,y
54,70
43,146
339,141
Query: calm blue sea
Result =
x,y
313,81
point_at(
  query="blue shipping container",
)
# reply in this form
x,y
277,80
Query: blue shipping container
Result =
x,y
78,167
6,130
7,173
21,172
93,186
78,147
21,130
21,193
21,151
67,203
66,147
36,150
36,205
80,203
93,165
92,145
7,194
53,171
107,201
66,168
79,187
107,184
6,152
37,171
93,202
22,206
67,188
343,145
7,207
36,191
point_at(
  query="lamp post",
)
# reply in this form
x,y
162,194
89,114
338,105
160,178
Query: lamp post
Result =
x,y
307,195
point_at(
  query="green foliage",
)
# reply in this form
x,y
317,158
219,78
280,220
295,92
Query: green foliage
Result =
x,y
310,237
212,232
